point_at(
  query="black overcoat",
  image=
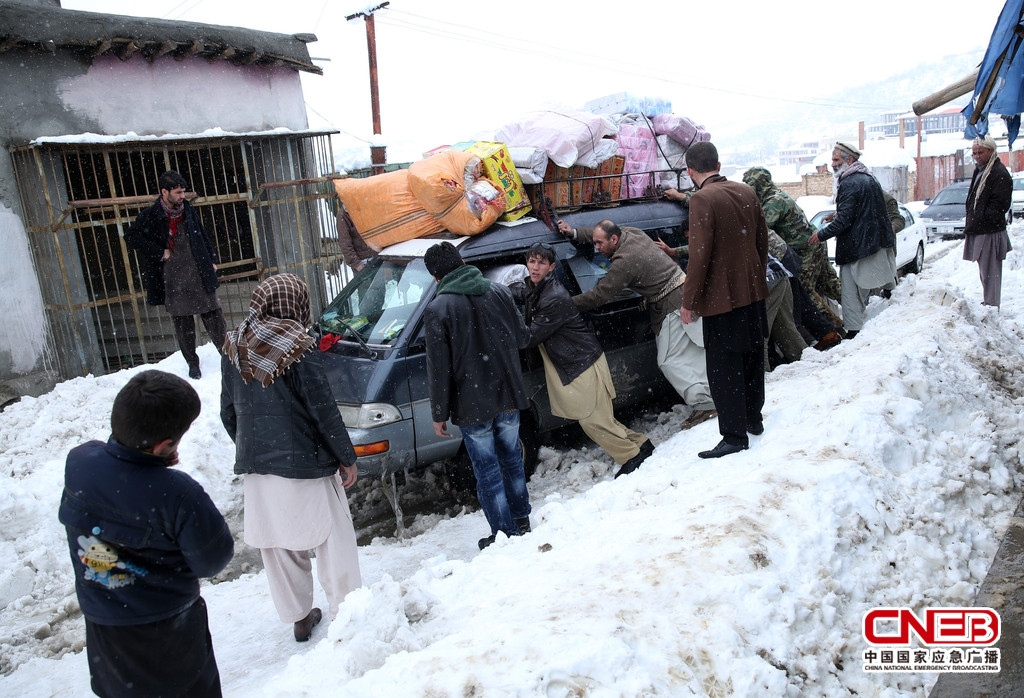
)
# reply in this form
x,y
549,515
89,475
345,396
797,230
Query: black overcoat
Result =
x,y
149,237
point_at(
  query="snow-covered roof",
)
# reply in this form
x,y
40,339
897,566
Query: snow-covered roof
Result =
x,y
887,153
880,153
132,137
44,28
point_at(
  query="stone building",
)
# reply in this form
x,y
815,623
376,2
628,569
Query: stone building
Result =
x,y
95,107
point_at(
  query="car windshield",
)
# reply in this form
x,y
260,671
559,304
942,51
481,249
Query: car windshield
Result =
x,y
378,301
818,222
951,195
1018,183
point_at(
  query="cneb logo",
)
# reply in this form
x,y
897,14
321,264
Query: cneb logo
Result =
x,y
941,626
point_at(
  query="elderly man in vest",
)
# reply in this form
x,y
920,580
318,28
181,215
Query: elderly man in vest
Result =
x,y
638,264
865,243
988,200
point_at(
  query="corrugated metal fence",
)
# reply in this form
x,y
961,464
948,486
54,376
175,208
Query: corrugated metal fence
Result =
x,y
266,202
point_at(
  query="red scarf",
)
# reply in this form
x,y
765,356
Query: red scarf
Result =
x,y
174,215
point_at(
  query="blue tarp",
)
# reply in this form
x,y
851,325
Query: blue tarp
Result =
x,y
1000,84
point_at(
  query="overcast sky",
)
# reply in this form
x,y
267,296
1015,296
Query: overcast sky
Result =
x,y
450,69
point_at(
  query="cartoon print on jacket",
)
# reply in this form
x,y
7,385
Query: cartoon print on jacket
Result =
x,y
102,564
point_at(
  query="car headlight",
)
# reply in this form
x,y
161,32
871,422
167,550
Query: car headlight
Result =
x,y
369,415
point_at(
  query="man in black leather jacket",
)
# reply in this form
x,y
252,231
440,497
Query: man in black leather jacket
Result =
x,y
865,243
474,335
579,381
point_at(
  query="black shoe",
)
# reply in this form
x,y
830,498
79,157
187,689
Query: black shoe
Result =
x,y
304,628
522,524
194,372
850,334
646,449
484,542
629,466
724,448
756,429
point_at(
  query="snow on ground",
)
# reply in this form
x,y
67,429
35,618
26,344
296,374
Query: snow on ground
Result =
x,y
886,476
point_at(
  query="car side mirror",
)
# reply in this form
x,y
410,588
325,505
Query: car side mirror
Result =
x,y
927,202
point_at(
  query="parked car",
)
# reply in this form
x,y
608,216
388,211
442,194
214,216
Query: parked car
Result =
x,y
910,241
946,214
377,369
1017,205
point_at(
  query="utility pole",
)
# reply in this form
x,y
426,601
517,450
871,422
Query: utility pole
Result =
x,y
377,152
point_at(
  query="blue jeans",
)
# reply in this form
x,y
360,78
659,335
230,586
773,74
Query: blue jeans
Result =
x,y
493,449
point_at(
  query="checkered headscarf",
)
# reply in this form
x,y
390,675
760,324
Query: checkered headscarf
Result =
x,y
273,335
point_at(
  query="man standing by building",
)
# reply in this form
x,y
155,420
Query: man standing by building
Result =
x,y
179,267
865,243
638,264
726,286
781,213
988,200
474,334
576,371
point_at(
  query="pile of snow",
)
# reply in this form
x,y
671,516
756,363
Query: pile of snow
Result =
x,y
886,476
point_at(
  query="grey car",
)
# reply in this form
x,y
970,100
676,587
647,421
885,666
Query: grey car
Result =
x,y
946,214
377,366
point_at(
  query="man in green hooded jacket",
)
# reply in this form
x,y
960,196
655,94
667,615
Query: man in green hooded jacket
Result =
x,y
817,275
473,335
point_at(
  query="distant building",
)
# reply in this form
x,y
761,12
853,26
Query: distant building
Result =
x,y
947,120
95,108
801,154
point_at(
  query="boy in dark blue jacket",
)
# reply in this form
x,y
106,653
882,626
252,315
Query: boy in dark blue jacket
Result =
x,y
140,536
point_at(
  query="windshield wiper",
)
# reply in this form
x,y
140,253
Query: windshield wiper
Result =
x,y
366,347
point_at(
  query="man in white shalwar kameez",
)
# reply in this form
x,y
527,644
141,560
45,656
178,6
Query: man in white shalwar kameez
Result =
x,y
294,452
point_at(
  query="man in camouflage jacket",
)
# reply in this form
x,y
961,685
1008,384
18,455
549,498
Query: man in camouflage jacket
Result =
x,y
817,275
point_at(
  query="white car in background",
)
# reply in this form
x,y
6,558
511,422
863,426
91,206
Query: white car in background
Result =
x,y
909,242
1017,204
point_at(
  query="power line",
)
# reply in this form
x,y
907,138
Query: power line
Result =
x,y
174,9
184,12
333,125
320,18
491,39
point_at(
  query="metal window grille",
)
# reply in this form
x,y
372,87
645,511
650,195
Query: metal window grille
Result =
x,y
267,203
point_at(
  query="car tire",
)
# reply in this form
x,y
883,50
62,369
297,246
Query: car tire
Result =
x,y
462,476
917,266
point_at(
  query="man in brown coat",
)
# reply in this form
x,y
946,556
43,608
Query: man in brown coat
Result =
x,y
638,264
725,285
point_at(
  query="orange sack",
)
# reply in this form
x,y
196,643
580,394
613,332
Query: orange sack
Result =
x,y
438,183
384,209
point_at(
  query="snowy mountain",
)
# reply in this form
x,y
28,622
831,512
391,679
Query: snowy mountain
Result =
x,y
838,113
